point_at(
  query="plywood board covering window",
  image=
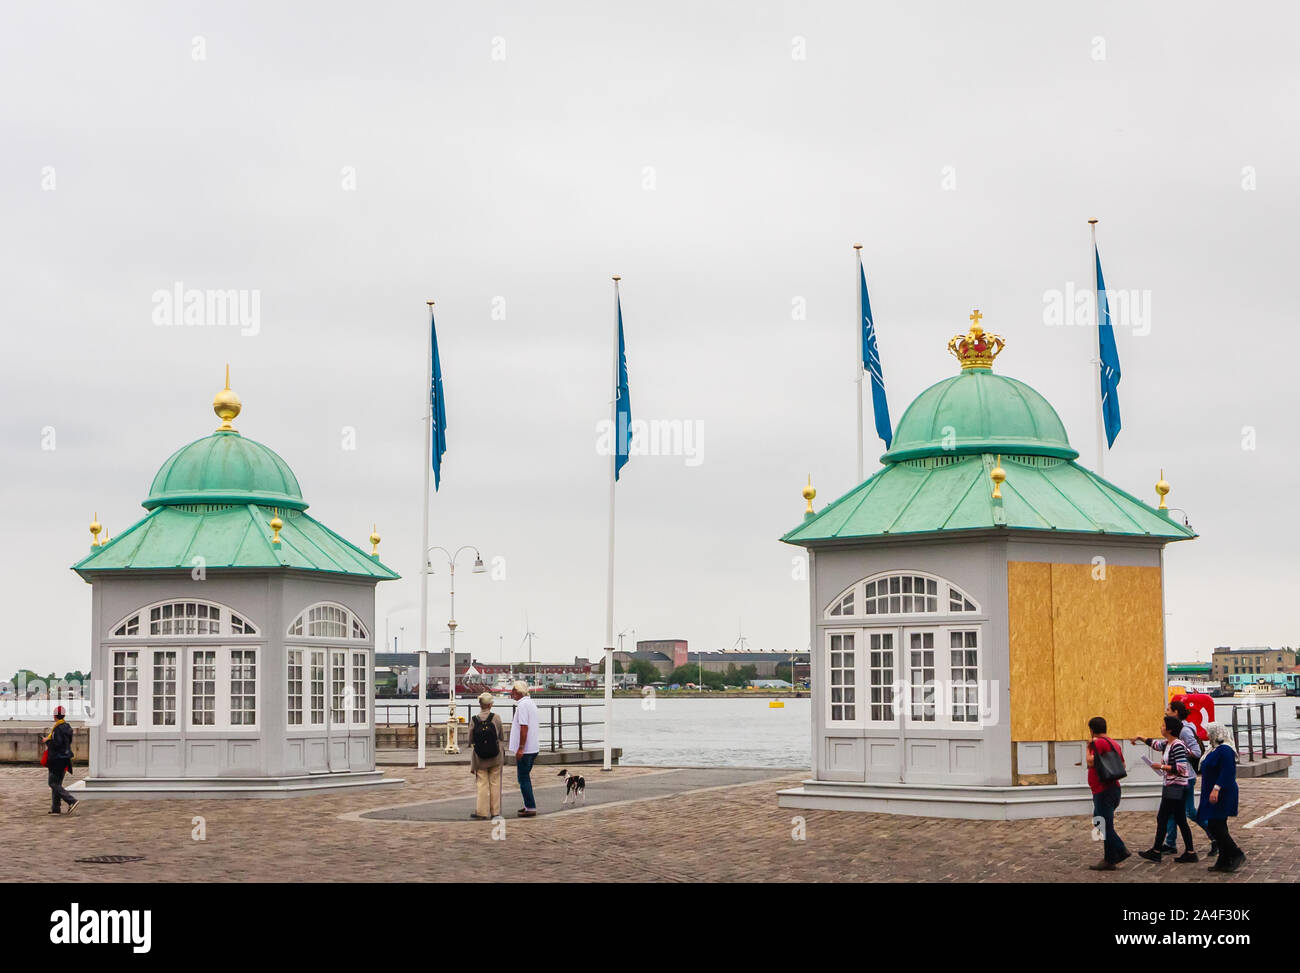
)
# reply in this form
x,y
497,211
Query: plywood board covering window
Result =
x,y
1081,646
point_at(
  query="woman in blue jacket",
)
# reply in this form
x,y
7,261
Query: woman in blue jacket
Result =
x,y
1219,797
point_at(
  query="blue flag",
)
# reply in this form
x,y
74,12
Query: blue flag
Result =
x,y
623,410
871,363
437,406
1108,352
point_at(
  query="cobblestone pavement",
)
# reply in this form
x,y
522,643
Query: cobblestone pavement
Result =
x,y
734,833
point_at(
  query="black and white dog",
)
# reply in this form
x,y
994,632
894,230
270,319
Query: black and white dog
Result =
x,y
575,787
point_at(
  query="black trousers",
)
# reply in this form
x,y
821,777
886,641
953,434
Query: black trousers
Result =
x,y
57,768
1175,808
1218,829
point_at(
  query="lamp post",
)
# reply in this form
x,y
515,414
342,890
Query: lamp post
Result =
x,y
451,627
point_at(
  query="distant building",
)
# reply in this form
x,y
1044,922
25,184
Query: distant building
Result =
x,y
664,654
763,661
675,651
1251,660
405,666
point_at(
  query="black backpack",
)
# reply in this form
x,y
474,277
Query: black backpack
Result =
x,y
484,738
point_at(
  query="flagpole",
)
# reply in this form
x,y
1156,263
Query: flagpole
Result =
x,y
1101,421
858,248
424,549
609,574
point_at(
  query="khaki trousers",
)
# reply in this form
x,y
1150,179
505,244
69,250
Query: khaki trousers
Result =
x,y
489,791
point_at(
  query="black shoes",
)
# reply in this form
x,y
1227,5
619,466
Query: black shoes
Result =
x,y
1151,855
1186,857
73,806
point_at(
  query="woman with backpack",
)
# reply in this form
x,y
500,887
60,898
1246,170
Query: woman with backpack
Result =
x,y
1219,797
1105,769
486,737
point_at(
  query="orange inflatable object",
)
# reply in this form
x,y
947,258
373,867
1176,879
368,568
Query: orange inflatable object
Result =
x,y
1200,711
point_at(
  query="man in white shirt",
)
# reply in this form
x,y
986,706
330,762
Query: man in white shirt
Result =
x,y
525,739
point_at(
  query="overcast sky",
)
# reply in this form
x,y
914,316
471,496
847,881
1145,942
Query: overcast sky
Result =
x,y
350,161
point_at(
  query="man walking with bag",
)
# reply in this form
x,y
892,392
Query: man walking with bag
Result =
x,y
58,761
1105,770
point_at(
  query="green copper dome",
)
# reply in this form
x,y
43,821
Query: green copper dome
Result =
x,y
977,411
225,468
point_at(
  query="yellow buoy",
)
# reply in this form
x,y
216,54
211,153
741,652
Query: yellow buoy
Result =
x,y
775,704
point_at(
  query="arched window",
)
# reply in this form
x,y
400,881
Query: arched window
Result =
x,y
173,618
328,620
901,593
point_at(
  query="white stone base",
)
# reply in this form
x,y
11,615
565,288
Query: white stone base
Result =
x,y
207,788
963,801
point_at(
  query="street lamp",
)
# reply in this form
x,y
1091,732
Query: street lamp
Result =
x,y
451,627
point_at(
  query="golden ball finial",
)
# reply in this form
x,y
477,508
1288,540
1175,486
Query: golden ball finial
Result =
x,y
276,524
226,405
374,540
809,492
999,476
95,528
1162,489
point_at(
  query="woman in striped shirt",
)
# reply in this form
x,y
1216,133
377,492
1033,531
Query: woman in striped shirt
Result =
x,y
1178,777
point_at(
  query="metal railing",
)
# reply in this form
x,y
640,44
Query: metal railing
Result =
x,y
1255,723
565,725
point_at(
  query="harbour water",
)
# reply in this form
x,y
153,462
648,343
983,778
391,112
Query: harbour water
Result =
x,y
744,732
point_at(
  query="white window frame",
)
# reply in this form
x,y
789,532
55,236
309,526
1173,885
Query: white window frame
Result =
x,y
891,683
138,625
945,590
178,694
354,629
309,689
856,682
951,688
301,697
916,691
359,698
221,714
125,654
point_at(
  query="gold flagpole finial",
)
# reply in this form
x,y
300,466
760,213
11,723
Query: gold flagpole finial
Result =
x,y
374,540
95,528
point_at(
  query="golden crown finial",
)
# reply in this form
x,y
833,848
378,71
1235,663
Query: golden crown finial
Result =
x,y
999,476
1163,488
276,524
809,492
976,348
226,405
95,528
374,540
